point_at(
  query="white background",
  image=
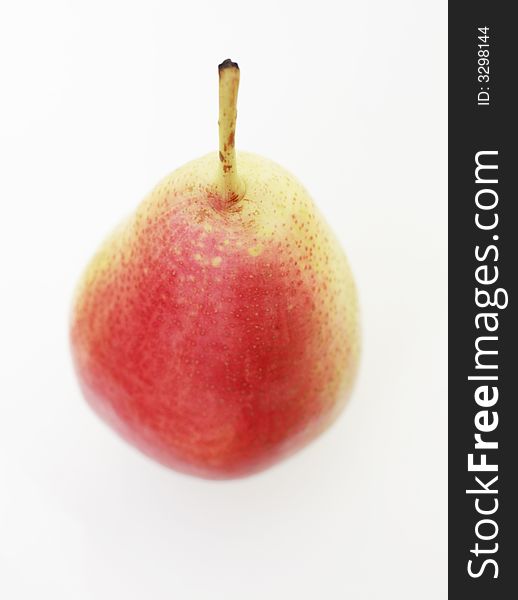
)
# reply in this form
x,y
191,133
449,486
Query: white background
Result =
x,y
99,100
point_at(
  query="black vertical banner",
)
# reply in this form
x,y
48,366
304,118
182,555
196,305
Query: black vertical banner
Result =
x,y
483,259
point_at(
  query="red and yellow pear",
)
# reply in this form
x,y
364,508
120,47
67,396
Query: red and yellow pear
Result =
x,y
217,328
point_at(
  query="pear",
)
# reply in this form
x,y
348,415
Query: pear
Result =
x,y
217,328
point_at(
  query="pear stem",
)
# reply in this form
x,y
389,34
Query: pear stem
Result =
x,y
232,186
